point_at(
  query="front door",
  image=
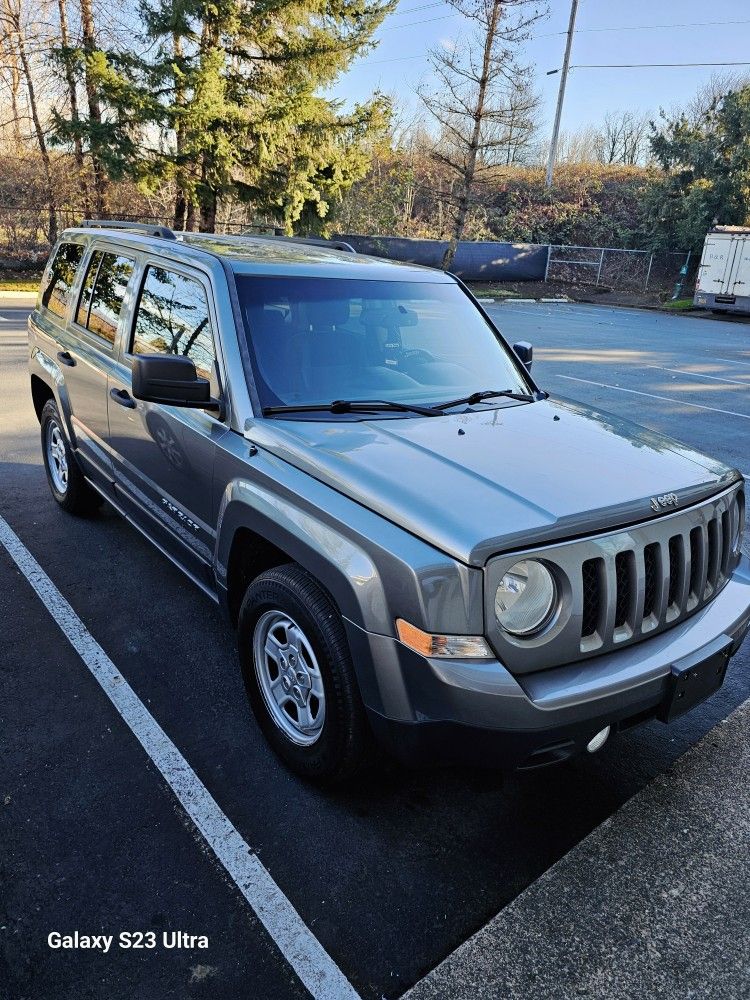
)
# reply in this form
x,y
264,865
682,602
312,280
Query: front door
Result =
x,y
164,455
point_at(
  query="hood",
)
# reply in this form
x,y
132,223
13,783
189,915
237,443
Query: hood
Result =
x,y
478,483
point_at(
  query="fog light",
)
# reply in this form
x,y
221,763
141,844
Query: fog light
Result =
x,y
599,740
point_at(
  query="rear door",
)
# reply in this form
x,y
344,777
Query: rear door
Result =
x,y
739,282
91,341
718,253
164,455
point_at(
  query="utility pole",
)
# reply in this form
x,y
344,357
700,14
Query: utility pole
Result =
x,y
561,93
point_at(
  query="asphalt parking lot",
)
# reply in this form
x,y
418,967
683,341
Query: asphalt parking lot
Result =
x,y
390,877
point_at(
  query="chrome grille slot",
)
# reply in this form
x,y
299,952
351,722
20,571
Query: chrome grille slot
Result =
x,y
622,586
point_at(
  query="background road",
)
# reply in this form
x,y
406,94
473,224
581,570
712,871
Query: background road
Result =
x,y
390,877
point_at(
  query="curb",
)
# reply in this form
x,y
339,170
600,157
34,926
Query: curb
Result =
x,y
515,301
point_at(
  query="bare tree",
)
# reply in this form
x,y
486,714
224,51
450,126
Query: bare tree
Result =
x,y
622,138
575,146
708,96
10,76
70,81
524,105
14,31
481,91
89,45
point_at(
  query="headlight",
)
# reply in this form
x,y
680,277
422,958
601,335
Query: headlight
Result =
x,y
525,597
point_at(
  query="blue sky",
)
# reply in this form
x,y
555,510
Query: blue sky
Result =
x,y
400,62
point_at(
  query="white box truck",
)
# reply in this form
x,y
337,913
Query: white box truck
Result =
x,y
723,282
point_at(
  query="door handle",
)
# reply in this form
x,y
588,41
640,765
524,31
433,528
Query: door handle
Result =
x,y
66,358
123,397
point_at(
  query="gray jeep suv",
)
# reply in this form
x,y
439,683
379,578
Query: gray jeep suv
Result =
x,y
417,546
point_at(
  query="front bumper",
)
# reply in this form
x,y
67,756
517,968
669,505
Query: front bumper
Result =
x,y
476,711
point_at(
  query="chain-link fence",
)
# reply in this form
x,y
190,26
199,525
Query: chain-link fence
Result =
x,y
24,243
620,270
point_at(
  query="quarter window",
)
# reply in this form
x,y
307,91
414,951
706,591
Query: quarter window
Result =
x,y
60,277
173,318
103,293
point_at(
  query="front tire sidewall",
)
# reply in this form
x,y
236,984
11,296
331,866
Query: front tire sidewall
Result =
x,y
339,750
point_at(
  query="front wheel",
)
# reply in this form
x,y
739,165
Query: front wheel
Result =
x,y
299,676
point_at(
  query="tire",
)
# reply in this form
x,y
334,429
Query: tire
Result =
x,y
336,742
66,481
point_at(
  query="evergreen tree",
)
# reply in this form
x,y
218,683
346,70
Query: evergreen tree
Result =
x,y
226,102
705,172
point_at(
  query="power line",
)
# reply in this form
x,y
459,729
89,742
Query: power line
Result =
x,y
644,27
422,6
651,65
379,62
426,20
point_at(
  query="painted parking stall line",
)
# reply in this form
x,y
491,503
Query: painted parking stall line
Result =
x,y
713,378
651,395
301,949
729,361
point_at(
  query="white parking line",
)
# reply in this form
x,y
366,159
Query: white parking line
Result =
x,y
714,378
295,941
728,361
664,399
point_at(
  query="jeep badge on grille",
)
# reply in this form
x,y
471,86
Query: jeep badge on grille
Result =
x,y
665,500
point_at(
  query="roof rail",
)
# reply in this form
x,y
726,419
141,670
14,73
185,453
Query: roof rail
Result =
x,y
162,232
312,240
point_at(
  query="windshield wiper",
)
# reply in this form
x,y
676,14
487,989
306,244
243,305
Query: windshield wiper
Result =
x,y
355,406
479,397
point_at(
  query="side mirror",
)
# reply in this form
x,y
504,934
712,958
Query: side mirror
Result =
x,y
525,353
171,379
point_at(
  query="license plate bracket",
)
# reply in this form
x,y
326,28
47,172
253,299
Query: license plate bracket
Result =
x,y
695,678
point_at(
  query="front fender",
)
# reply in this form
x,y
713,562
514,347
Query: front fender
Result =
x,y
374,570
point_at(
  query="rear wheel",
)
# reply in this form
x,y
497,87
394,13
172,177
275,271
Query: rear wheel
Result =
x,y
66,481
299,676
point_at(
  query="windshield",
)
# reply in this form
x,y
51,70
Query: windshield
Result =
x,y
314,340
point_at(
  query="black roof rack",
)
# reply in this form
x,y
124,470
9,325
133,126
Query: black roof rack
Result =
x,y
312,240
165,233
162,232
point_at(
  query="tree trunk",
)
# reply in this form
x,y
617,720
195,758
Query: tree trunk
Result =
x,y
15,20
476,135
181,197
74,116
208,200
101,183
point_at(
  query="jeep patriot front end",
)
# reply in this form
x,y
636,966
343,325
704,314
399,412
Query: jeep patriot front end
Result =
x,y
414,541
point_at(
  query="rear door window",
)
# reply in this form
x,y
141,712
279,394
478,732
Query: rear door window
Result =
x,y
173,318
59,278
103,293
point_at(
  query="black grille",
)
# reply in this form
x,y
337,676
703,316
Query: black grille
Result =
x,y
713,554
726,542
651,582
592,596
696,552
624,588
675,568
